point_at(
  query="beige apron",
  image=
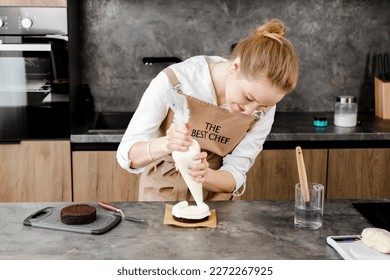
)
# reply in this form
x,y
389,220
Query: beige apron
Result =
x,y
217,131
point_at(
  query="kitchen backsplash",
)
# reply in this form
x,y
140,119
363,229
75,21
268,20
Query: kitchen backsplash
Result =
x,y
335,42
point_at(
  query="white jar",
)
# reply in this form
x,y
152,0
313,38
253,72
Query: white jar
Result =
x,y
345,111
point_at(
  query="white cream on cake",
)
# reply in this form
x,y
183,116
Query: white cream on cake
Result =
x,y
182,209
194,212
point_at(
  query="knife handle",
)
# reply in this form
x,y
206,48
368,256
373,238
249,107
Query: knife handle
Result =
x,y
381,66
109,206
386,66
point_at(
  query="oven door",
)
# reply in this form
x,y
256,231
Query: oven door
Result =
x,y
30,69
28,72
25,73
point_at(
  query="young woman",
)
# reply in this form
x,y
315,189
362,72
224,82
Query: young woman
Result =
x,y
232,107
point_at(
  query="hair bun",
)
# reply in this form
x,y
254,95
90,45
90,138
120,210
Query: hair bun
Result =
x,y
271,28
266,52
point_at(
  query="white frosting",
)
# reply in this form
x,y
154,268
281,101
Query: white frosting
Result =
x,y
183,210
183,161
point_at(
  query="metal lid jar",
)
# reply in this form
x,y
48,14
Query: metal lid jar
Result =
x,y
345,111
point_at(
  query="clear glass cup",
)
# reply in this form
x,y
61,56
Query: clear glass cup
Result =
x,y
308,215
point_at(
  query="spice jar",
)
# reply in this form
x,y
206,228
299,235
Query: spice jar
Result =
x,y
320,121
345,111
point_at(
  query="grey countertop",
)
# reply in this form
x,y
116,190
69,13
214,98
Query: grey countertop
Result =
x,y
287,127
299,127
246,230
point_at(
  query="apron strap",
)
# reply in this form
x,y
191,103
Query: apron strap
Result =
x,y
175,83
172,78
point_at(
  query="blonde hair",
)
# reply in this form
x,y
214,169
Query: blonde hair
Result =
x,y
267,52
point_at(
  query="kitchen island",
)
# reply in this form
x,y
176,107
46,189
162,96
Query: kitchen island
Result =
x,y
246,230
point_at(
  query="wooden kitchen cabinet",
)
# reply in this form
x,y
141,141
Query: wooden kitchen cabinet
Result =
x,y
275,173
359,173
345,173
98,177
33,171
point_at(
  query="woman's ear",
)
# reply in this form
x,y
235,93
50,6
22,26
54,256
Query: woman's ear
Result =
x,y
236,64
235,68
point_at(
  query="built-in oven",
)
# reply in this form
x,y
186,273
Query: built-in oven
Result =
x,y
34,76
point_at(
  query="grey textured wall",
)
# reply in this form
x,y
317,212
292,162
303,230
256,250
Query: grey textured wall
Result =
x,y
335,41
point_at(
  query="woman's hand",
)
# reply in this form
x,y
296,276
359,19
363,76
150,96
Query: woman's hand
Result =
x,y
179,138
199,168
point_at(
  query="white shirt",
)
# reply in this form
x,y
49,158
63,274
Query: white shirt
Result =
x,y
195,79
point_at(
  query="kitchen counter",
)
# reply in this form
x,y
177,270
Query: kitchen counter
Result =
x,y
288,127
246,230
299,127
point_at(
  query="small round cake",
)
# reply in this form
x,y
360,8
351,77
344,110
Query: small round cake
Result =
x,y
184,213
78,214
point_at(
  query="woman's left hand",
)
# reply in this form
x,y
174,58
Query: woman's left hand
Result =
x,y
199,168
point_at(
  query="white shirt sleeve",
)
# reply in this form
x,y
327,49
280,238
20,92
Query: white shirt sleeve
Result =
x,y
146,120
241,159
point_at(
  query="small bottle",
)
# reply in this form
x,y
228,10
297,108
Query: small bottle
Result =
x,y
320,121
345,111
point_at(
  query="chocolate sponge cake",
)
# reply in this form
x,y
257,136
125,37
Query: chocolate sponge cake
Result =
x,y
78,214
189,221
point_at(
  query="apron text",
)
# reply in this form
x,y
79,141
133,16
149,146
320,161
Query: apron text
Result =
x,y
211,133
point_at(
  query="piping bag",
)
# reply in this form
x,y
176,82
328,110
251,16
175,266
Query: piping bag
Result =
x,y
183,159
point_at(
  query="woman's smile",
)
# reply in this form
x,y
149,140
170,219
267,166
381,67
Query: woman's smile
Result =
x,y
240,108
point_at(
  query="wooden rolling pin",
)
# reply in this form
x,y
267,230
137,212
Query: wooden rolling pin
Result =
x,y
302,174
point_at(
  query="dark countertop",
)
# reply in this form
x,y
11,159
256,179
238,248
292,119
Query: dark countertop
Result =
x,y
246,230
288,127
299,127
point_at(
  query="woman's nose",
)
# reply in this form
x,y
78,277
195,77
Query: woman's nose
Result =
x,y
250,108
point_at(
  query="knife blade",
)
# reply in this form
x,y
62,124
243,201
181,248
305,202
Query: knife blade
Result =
x,y
111,207
386,66
380,66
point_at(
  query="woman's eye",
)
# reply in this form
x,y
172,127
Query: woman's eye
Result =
x,y
247,98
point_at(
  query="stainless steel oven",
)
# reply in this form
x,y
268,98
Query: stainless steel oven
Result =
x,y
34,84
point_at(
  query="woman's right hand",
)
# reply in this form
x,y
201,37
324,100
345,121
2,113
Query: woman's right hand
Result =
x,y
178,137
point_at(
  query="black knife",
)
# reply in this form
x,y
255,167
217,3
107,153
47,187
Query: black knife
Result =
x,y
380,67
386,66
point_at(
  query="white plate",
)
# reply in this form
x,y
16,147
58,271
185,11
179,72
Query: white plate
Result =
x,y
362,252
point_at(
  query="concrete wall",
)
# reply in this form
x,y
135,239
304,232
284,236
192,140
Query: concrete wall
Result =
x,y
335,41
